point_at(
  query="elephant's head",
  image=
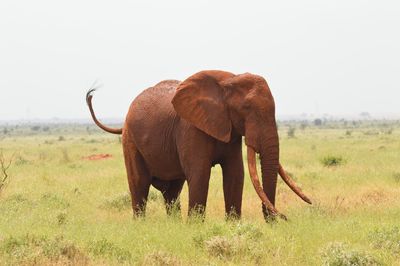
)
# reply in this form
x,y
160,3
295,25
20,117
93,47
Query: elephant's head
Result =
x,y
224,105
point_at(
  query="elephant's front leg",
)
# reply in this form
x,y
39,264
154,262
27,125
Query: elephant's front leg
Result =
x,y
198,181
233,178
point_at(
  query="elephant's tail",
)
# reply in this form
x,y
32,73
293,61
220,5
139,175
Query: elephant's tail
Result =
x,y
89,97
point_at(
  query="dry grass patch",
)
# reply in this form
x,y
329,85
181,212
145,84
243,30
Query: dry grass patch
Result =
x,y
340,254
160,258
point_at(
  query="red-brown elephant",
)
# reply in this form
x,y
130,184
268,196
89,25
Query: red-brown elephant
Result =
x,y
176,131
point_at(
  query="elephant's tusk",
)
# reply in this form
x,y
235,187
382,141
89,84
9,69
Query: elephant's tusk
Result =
x,y
251,160
289,181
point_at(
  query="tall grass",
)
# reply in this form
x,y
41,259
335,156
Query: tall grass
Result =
x,y
62,209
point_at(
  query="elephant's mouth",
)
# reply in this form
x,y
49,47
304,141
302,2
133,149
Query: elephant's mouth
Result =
x,y
251,160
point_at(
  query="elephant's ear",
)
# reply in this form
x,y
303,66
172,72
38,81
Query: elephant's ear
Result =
x,y
200,100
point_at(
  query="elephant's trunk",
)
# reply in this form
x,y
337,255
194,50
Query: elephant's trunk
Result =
x,y
251,159
270,167
269,156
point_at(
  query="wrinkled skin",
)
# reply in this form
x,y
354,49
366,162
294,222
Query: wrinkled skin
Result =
x,y
176,131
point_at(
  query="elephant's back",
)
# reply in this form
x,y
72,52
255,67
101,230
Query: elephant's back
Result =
x,y
154,102
151,121
157,93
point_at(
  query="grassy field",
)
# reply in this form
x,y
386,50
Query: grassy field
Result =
x,y
60,208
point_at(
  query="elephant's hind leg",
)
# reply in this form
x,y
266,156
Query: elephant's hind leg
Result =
x,y
170,190
171,196
139,179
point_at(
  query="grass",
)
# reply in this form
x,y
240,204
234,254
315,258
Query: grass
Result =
x,y
59,208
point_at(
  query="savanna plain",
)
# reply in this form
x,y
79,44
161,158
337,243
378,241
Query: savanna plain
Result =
x,y
60,206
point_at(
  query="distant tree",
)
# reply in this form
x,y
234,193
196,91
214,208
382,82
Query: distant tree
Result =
x,y
291,132
317,122
365,115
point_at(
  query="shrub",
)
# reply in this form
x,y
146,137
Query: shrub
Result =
x,y
119,202
160,258
318,122
32,250
61,138
215,230
388,131
220,246
61,218
388,238
237,241
331,160
248,230
105,248
291,132
53,200
65,156
396,177
339,254
21,161
303,125
371,133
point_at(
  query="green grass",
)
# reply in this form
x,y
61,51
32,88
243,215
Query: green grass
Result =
x,y
59,208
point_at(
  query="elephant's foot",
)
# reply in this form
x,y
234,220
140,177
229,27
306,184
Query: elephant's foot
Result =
x,y
270,217
197,213
232,214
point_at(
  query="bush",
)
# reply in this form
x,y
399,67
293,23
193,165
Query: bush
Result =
x,y
396,177
61,218
318,122
34,250
160,258
339,254
54,201
303,125
291,132
248,230
119,202
237,241
105,248
388,239
220,246
331,160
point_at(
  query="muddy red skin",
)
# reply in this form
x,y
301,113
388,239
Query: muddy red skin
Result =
x,y
176,131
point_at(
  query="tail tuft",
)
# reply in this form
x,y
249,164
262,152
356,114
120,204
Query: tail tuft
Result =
x,y
89,96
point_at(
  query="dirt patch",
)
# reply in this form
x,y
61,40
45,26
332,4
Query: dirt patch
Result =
x,y
374,196
95,157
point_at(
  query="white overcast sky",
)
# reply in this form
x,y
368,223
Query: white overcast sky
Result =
x,y
337,57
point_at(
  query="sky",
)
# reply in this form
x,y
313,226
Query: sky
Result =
x,y
337,57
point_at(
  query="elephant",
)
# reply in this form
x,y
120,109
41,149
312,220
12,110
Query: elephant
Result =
x,y
176,131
